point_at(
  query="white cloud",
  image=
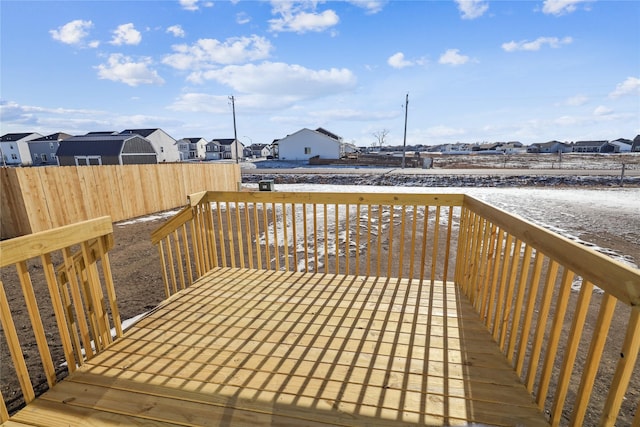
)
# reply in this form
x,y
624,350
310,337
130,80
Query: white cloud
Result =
x,y
120,68
193,5
278,79
73,32
242,18
200,102
176,30
443,131
472,9
453,57
206,53
536,44
576,101
630,86
371,6
304,22
561,7
601,110
126,34
300,17
349,114
397,60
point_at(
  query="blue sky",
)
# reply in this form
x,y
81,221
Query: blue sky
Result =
x,y
475,70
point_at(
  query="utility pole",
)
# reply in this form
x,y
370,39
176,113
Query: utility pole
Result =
x,y
404,144
235,133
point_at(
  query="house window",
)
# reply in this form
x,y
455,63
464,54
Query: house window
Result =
x,y
88,160
51,145
14,156
162,149
44,157
35,156
307,150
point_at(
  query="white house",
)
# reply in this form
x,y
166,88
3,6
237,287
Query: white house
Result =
x,y
230,148
14,149
192,148
162,142
260,150
307,143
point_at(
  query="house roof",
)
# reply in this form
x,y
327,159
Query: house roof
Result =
x,y
58,136
224,141
141,132
12,137
101,132
329,134
93,145
590,143
548,144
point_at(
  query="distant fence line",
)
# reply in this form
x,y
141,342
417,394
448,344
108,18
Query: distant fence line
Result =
x,y
36,199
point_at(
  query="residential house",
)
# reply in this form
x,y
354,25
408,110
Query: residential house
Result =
x,y
511,147
549,147
192,148
635,146
349,148
259,151
230,149
43,149
14,148
457,148
164,145
622,145
121,149
486,147
307,143
593,147
212,151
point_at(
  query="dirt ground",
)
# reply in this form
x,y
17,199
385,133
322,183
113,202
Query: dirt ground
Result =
x,y
137,276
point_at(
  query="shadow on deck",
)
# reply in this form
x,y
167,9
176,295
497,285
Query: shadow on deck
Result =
x,y
249,347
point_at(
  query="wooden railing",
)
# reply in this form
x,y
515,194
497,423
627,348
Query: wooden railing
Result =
x,y
518,276
365,234
73,264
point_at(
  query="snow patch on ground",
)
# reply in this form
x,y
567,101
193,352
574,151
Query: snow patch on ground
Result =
x,y
149,218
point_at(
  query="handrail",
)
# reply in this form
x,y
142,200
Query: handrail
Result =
x,y
350,233
74,265
614,277
519,276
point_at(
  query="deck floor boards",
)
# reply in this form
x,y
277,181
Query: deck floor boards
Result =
x,y
249,347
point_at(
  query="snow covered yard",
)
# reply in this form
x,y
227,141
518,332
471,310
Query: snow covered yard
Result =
x,y
576,213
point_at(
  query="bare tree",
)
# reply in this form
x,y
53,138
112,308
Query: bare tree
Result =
x,y
380,136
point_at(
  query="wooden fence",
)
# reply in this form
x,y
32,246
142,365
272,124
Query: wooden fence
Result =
x,y
38,199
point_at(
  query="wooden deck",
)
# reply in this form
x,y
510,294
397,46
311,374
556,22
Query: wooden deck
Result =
x,y
251,347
